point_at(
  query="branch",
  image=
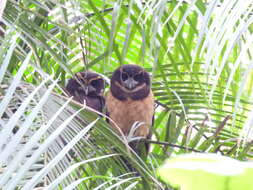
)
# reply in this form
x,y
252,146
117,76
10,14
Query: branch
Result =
x,y
83,54
111,9
169,144
163,105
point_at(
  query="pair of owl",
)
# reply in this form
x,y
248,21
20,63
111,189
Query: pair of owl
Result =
x,y
128,101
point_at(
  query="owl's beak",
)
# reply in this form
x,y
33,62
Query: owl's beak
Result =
x,y
130,83
88,89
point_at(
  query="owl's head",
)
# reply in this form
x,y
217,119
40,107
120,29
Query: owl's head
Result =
x,y
86,84
130,81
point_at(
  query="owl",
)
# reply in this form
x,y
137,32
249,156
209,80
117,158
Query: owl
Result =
x,y
129,100
87,87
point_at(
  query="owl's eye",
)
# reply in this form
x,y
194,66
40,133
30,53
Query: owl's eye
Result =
x,y
124,76
94,82
138,77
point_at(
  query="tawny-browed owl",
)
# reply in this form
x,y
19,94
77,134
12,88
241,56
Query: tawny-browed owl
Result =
x,y
87,87
129,100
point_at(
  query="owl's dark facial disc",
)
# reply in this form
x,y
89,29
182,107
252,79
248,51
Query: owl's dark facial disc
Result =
x,y
130,81
85,84
87,89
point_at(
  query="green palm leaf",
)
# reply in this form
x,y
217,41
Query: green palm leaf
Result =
x,y
198,53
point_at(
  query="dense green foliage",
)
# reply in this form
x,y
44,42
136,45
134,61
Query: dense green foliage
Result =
x,y
198,53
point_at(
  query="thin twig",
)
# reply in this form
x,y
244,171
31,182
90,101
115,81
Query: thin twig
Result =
x,y
198,130
221,126
169,144
163,105
111,8
82,46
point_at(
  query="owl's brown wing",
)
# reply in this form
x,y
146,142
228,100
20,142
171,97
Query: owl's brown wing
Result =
x,y
97,103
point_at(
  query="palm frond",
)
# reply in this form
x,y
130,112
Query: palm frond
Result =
x,y
198,53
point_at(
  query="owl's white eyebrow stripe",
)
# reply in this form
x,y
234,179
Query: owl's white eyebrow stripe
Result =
x,y
130,91
98,77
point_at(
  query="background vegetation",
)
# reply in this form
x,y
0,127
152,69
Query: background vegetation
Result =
x,y
198,52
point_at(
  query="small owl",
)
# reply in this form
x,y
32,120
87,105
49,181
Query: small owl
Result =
x,y
87,87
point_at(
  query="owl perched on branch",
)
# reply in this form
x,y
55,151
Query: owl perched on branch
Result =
x,y
129,100
87,87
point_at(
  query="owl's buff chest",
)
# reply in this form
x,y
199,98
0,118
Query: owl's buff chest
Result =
x,y
125,113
